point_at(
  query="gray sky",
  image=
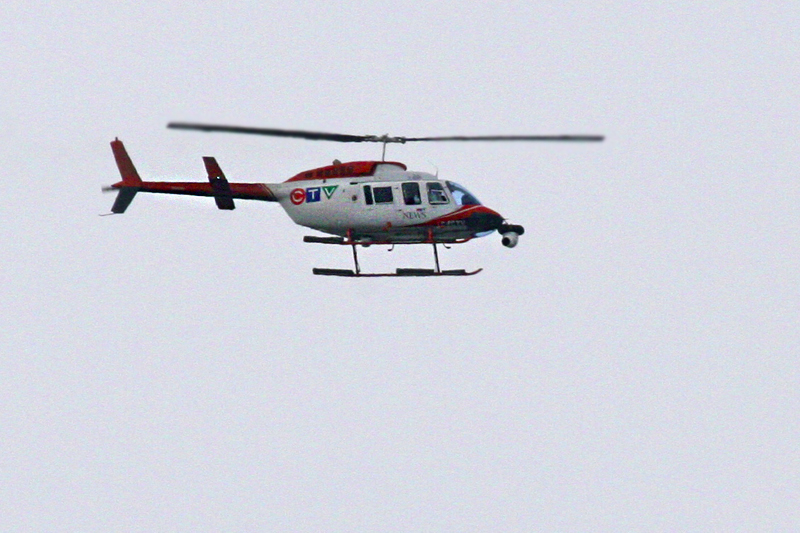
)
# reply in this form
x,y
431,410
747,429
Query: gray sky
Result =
x,y
631,365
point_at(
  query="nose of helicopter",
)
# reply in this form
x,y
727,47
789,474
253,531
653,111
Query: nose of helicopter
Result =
x,y
484,219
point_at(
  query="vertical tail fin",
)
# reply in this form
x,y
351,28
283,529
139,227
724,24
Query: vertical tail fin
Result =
x,y
126,169
131,181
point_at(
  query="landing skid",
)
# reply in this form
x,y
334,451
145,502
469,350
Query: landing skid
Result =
x,y
400,272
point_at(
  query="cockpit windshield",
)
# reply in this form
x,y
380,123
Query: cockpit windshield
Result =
x,y
461,195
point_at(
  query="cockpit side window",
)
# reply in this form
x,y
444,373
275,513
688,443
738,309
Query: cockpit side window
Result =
x,y
383,195
436,194
411,194
368,194
461,195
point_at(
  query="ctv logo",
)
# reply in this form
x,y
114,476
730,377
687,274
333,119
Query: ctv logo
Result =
x,y
311,194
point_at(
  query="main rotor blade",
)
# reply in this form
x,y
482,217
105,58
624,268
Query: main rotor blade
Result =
x,y
300,134
569,138
341,137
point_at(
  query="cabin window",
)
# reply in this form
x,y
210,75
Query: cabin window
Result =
x,y
383,195
368,194
436,194
411,194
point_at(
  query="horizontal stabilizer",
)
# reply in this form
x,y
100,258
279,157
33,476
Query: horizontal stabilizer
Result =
x,y
222,189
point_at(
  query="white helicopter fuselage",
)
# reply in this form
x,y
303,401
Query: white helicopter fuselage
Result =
x,y
386,203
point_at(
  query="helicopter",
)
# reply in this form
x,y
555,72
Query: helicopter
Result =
x,y
357,203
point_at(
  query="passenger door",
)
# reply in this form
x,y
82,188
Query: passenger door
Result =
x,y
380,203
412,210
438,199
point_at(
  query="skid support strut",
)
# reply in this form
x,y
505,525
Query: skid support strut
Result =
x,y
355,260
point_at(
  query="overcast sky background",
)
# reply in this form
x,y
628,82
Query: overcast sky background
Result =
x,y
631,365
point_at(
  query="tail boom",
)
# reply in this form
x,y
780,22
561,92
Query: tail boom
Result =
x,y
217,186
243,191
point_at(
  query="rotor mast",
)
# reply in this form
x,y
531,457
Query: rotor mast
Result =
x,y
384,139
